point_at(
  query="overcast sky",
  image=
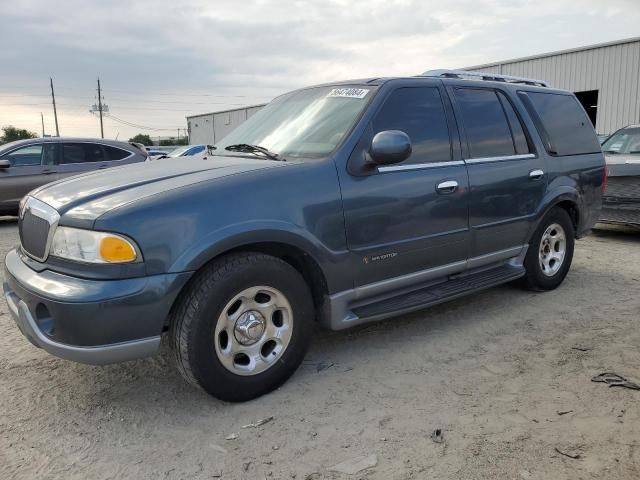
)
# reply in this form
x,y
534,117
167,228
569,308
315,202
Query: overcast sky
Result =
x,y
161,60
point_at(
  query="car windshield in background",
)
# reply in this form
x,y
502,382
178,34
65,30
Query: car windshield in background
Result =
x,y
178,152
624,142
307,123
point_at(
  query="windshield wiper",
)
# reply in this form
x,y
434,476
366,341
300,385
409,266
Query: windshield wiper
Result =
x,y
615,152
246,148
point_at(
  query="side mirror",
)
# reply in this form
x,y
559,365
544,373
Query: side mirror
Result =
x,y
5,164
390,146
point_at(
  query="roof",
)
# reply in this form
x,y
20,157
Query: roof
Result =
x,y
558,52
225,111
103,141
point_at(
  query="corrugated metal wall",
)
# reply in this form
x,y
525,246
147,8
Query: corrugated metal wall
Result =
x,y
210,128
612,69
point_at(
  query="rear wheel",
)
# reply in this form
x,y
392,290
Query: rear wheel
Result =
x,y
550,252
243,326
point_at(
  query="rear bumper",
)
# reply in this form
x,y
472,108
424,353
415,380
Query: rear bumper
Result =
x,y
89,321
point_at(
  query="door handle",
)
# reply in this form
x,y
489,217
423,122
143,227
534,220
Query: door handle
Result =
x,y
448,186
48,171
536,174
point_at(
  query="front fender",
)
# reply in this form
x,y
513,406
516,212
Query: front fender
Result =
x,y
243,234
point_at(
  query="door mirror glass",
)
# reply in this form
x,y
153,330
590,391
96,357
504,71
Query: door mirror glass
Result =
x,y
390,146
5,163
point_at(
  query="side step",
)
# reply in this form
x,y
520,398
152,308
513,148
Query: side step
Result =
x,y
456,286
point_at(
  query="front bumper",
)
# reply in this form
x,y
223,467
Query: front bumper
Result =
x,y
89,321
621,213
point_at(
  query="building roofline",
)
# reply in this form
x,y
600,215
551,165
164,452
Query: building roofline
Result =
x,y
558,52
225,111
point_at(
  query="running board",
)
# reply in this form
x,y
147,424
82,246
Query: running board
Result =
x,y
456,286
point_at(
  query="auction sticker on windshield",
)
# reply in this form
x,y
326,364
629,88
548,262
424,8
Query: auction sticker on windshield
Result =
x,y
349,92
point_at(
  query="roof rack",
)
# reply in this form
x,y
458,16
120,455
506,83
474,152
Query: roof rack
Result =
x,y
495,77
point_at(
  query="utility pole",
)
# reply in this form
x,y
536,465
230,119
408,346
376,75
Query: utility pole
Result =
x,y
100,109
55,113
42,118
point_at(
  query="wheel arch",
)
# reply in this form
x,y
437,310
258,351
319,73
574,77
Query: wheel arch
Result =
x,y
568,200
297,251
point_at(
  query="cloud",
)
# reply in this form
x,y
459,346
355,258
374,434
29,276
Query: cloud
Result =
x,y
155,57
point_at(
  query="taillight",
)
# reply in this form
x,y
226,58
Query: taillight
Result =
x,y
604,179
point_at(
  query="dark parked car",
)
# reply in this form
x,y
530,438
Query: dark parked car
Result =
x,y
342,204
622,198
27,164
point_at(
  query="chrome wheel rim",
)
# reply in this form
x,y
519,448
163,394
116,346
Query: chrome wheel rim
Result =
x,y
553,249
253,330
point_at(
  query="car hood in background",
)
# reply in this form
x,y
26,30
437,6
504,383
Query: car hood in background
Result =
x,y
623,165
86,197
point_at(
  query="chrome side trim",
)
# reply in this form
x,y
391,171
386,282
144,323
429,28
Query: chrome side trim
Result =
x,y
500,159
338,313
493,257
419,166
47,213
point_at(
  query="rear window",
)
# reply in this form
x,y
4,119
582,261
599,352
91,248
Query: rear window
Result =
x,y
114,153
485,123
562,123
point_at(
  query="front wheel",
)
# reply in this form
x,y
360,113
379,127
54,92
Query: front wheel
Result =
x,y
550,252
243,326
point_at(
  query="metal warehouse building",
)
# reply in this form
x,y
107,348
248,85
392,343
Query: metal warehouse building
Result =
x,y
209,128
604,77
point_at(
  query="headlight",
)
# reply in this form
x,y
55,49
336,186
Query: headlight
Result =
x,y
92,247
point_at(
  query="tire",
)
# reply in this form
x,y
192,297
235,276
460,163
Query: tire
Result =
x,y
544,269
240,351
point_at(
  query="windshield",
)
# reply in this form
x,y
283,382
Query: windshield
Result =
x,y
625,141
307,123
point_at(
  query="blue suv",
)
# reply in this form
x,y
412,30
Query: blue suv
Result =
x,y
338,204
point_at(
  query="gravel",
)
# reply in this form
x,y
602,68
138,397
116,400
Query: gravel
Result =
x,y
491,370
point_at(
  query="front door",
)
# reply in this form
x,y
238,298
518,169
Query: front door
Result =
x,y
409,218
31,166
506,176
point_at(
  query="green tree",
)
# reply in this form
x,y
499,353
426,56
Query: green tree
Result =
x,y
11,134
142,138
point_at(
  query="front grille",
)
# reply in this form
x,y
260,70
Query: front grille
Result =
x,y
37,221
623,187
626,216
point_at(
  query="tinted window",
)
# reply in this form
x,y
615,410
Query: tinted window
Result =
x,y
485,124
562,123
82,152
114,153
30,155
419,113
517,130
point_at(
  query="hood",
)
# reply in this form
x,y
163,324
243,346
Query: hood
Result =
x,y
622,165
86,197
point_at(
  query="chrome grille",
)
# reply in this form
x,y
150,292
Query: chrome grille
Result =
x,y
37,225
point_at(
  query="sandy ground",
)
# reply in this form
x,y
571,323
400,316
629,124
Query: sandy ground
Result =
x,y
492,371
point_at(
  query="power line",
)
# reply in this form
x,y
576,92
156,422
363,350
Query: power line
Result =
x,y
135,125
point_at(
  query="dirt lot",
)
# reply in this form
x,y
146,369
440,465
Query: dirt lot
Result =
x,y
493,371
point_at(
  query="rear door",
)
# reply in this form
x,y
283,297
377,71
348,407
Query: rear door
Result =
x,y
413,216
31,166
506,175
79,157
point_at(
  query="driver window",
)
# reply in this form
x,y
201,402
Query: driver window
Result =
x,y
418,112
25,156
